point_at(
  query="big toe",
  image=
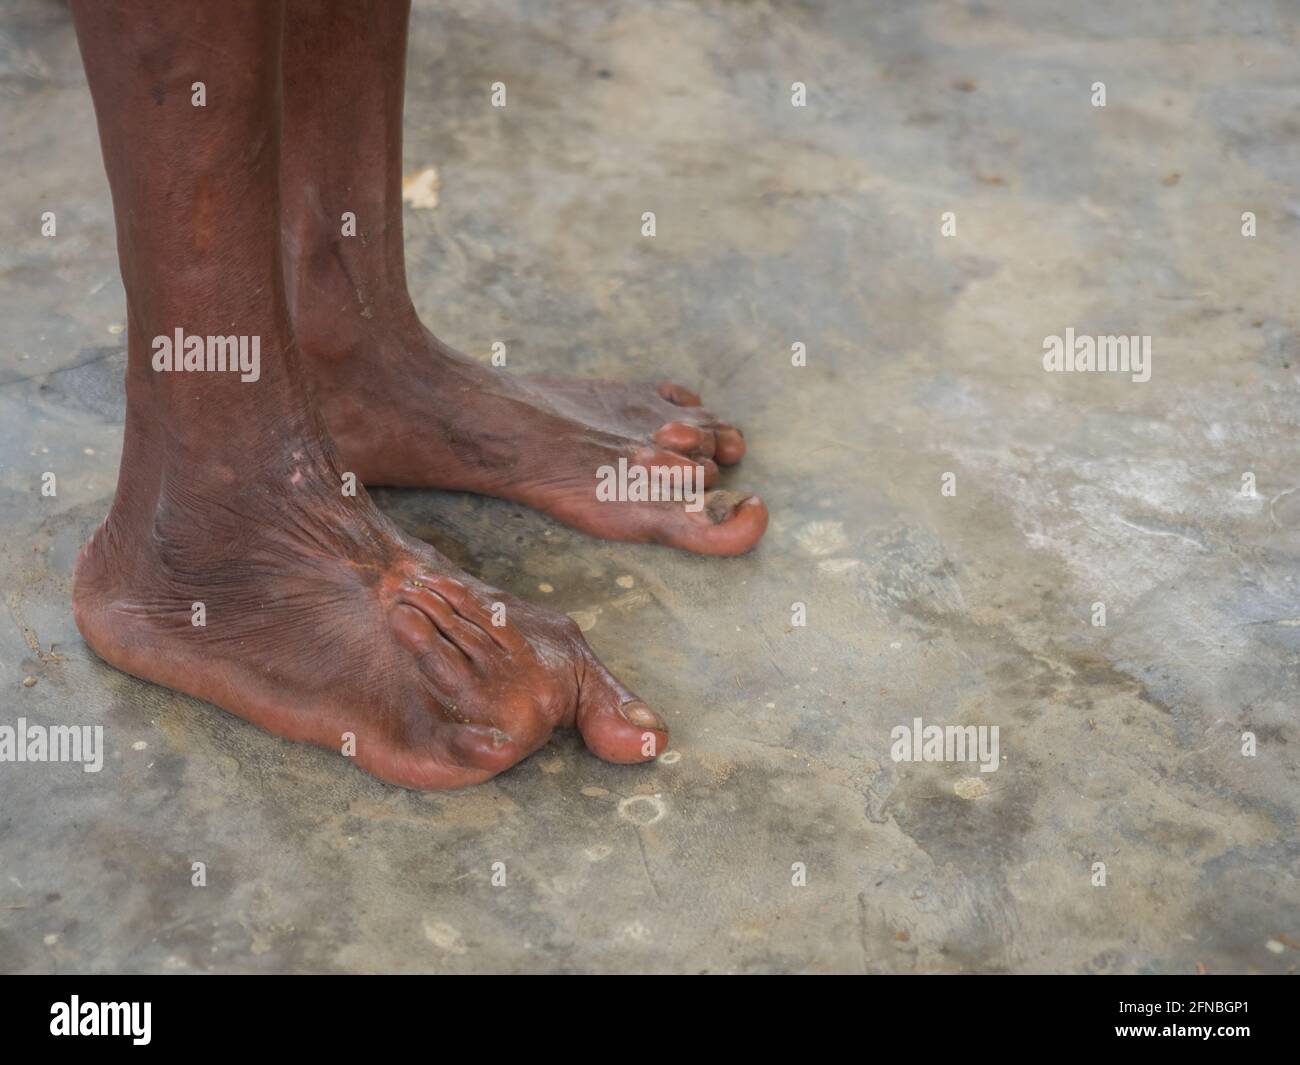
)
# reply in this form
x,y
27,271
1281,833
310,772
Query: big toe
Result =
x,y
729,523
614,723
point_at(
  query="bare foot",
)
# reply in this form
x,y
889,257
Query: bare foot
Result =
x,y
418,414
406,409
238,564
321,619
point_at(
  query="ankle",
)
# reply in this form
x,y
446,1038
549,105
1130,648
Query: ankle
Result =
x,y
215,435
334,324
340,293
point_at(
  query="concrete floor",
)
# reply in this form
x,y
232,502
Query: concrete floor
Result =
x,y
1121,744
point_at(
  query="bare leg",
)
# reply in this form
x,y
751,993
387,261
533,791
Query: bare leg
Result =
x,y
404,408
319,617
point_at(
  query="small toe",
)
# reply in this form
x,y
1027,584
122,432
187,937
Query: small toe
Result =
x,y
478,746
658,464
730,447
678,394
692,440
438,656
493,619
457,629
711,472
451,756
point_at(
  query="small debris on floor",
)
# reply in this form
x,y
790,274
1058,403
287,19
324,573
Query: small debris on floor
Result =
x,y
970,788
420,189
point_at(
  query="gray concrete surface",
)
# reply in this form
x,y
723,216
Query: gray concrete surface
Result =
x,y
1120,744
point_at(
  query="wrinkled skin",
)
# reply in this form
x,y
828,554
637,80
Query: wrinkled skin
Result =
x,y
321,617
404,408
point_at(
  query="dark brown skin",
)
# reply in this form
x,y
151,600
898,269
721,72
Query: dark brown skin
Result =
x,y
322,618
404,408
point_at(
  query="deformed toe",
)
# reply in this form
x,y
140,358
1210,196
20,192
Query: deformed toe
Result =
x,y
482,747
687,439
730,446
730,523
438,656
615,724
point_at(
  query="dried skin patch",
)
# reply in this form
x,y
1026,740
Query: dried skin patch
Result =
x,y
970,788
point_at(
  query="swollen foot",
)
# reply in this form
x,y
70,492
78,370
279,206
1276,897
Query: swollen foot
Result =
x,y
412,412
306,612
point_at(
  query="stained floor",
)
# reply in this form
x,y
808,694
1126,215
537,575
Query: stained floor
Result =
x,y
1120,744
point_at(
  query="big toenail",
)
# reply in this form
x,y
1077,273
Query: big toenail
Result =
x,y
719,507
642,716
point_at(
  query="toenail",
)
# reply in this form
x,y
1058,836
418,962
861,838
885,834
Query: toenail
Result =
x,y
642,716
720,506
